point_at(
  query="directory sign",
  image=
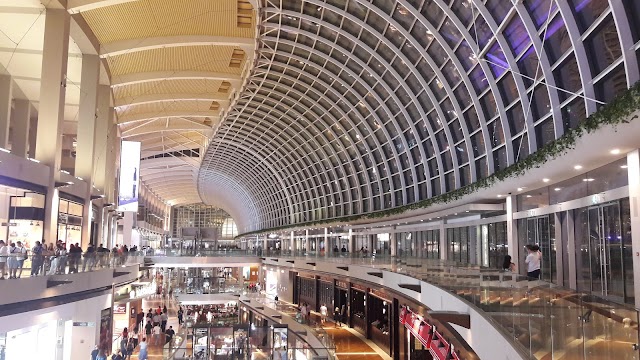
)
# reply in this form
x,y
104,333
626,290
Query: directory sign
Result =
x,y
129,176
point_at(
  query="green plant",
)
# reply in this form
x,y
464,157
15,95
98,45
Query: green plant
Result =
x,y
619,111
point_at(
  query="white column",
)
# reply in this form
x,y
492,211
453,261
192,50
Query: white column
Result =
x,y
326,243
6,94
127,227
55,55
33,135
20,122
443,242
292,243
101,129
86,135
306,242
393,242
265,243
351,242
633,171
512,232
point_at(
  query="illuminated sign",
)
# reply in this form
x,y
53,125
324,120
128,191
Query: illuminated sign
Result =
x,y
129,176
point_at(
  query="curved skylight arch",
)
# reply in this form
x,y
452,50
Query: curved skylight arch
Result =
x,y
361,106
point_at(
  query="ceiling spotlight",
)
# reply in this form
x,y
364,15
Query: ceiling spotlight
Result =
x,y
588,179
615,151
578,167
520,189
528,196
545,180
499,195
557,189
623,166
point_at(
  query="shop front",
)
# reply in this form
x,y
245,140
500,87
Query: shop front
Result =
x,y
305,291
21,215
359,308
35,342
70,221
379,312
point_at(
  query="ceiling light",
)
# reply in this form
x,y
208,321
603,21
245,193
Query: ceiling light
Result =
x,y
615,151
588,179
557,189
578,167
520,189
545,180
499,195
623,166
528,196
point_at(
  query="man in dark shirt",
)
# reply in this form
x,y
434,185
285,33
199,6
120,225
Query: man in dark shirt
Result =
x,y
89,258
94,353
169,333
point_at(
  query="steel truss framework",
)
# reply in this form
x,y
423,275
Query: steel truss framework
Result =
x,y
355,106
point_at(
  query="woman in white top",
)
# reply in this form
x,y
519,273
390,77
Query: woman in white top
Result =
x,y
143,349
533,260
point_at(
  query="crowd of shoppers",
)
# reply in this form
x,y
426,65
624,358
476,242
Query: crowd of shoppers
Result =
x,y
58,258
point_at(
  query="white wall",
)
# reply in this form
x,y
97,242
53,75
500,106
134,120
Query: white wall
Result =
x,y
82,339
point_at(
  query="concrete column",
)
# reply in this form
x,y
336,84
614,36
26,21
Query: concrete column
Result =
x,y
292,243
443,242
351,242
127,227
86,136
393,242
6,94
633,171
33,135
560,251
55,55
100,141
512,230
20,122
326,243
306,241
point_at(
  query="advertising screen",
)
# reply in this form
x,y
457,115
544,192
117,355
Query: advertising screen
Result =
x,y
129,176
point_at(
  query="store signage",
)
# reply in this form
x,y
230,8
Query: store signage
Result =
x,y
342,284
119,309
359,287
129,176
9,224
428,335
84,324
380,294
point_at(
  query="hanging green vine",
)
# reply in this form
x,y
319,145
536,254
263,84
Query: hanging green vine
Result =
x,y
616,112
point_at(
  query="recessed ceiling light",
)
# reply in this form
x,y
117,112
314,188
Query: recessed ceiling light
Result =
x,y
520,189
578,167
623,166
615,151
529,196
545,180
588,179
557,189
499,195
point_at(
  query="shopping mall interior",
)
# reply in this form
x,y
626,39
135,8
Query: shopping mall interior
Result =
x,y
319,179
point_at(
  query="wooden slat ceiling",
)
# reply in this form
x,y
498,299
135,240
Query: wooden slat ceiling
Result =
x,y
137,21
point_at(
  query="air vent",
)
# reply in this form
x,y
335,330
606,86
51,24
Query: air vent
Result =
x,y
214,105
236,58
245,14
224,87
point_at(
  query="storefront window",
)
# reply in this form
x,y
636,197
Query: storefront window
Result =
x,y
70,222
21,215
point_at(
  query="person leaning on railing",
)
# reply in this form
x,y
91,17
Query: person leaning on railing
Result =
x,y
37,259
4,254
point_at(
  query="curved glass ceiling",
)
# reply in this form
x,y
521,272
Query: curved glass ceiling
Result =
x,y
359,106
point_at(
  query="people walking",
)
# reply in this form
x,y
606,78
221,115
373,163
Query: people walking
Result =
x,y
157,331
143,349
533,261
336,316
180,316
323,313
12,260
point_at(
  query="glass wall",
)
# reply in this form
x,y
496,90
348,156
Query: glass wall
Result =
x,y
423,244
21,215
70,222
540,231
603,250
